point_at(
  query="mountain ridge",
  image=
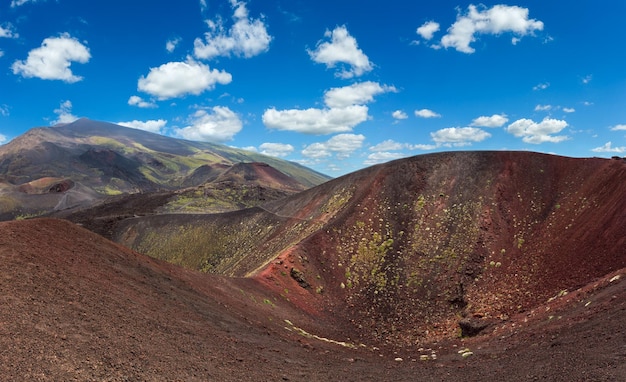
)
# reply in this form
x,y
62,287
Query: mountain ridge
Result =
x,y
110,159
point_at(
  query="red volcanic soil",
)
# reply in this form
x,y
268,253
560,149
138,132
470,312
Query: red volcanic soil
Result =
x,y
420,245
46,185
372,276
75,306
260,174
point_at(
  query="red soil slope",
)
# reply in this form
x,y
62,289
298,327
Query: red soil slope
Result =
x,y
415,247
75,306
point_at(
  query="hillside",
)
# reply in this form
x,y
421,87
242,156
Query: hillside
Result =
x,y
82,163
78,307
423,248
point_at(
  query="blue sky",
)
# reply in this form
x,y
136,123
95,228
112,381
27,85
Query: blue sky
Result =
x,y
329,84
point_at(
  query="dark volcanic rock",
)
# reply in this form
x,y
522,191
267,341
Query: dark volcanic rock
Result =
x,y
471,326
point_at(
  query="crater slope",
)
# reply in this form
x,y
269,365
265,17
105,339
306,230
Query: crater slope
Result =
x,y
421,249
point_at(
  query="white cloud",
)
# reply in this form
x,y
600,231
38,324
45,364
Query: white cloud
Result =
x,y
52,60
391,145
3,138
356,94
459,136
276,149
342,48
171,44
176,79
587,79
533,132
4,110
153,126
422,147
247,37
543,107
341,145
496,120
219,125
381,157
399,114
64,113
569,109
426,113
344,110
316,151
496,20
428,30
608,148
140,102
316,121
8,31
541,86
388,145
618,127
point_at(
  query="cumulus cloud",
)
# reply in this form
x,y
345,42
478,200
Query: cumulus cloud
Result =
x,y
382,157
341,145
388,145
399,114
428,29
140,102
176,79
276,149
52,60
356,94
459,136
64,113
171,44
218,124
608,148
316,121
426,113
569,110
341,49
587,79
344,110
496,20
618,127
533,132
541,86
3,138
391,145
247,37
153,126
496,120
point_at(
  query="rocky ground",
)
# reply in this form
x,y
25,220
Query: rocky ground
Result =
x,y
75,306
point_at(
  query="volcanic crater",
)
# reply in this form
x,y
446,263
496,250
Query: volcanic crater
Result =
x,y
448,266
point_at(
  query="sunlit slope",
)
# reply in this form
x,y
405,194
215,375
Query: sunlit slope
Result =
x,y
98,159
406,249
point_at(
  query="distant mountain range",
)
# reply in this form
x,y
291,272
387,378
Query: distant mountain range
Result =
x,y
80,163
